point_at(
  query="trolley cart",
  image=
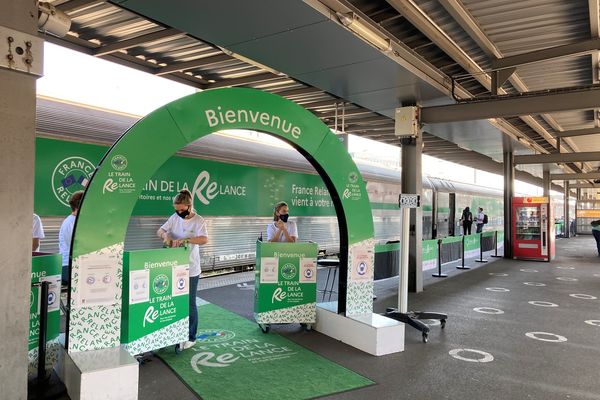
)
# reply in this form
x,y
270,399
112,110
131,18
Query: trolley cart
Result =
x,y
285,284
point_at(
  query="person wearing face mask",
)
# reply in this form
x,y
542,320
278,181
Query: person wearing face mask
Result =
x,y
282,229
185,227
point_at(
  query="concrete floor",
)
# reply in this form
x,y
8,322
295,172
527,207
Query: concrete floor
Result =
x,y
522,367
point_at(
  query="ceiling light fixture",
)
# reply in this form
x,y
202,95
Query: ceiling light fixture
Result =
x,y
363,30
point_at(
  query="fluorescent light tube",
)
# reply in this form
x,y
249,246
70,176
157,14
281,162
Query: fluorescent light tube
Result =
x,y
356,25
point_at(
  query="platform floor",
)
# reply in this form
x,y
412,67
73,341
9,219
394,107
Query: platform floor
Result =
x,y
519,367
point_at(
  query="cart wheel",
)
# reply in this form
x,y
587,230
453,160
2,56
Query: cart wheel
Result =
x,y
425,337
177,349
265,328
307,327
443,323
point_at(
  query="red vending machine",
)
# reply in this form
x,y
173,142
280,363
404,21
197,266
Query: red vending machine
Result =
x,y
532,228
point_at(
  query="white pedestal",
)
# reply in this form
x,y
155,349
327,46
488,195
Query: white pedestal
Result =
x,y
371,333
100,374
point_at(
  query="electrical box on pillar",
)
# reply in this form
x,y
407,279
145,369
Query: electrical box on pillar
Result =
x,y
407,122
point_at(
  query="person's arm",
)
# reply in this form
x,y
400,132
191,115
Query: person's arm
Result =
x,y
288,237
35,243
277,235
163,233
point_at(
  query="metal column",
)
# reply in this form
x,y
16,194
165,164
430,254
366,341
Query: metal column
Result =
x,y
17,151
546,182
412,183
509,189
567,217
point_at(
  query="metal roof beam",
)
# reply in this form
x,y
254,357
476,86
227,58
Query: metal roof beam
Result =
x,y
73,5
558,158
584,186
584,47
197,63
577,99
136,41
572,177
245,80
578,132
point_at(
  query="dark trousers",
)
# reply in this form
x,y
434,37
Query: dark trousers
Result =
x,y
467,228
193,308
479,228
596,234
66,276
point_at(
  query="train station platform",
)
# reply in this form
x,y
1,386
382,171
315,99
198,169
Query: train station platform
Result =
x,y
516,330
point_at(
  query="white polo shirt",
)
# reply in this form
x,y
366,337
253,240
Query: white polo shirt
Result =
x,y
179,228
65,235
38,229
291,228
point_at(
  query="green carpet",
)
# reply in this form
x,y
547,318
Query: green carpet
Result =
x,y
233,359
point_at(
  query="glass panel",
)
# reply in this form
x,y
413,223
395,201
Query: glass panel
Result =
x,y
528,223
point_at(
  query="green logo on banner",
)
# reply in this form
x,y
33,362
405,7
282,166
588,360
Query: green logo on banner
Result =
x,y
119,162
69,176
161,284
288,271
214,335
353,177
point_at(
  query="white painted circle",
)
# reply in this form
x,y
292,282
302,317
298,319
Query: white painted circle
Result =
x,y
557,338
497,289
593,322
488,310
528,270
567,279
565,267
542,303
498,274
597,275
487,357
583,296
431,322
534,284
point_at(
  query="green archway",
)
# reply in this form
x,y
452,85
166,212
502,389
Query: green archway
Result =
x,y
94,319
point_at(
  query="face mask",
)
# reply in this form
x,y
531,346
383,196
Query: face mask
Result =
x,y
284,217
183,214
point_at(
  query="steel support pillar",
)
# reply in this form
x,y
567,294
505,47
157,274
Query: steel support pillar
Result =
x,y
17,151
546,183
566,217
509,189
412,183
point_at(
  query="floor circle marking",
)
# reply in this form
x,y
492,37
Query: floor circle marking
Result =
x,y
537,284
565,267
535,335
498,274
488,310
497,289
487,357
583,296
528,270
542,303
567,279
593,322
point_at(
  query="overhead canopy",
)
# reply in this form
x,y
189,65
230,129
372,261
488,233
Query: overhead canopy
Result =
x,y
302,51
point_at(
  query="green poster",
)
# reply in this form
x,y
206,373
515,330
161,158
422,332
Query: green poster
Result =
x,y
44,269
472,245
429,251
285,282
155,299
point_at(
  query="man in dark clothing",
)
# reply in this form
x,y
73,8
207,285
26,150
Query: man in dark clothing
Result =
x,y
467,221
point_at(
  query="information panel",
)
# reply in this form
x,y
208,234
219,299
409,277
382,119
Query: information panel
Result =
x,y
44,268
286,283
155,299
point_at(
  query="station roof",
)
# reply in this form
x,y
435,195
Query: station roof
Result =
x,y
434,53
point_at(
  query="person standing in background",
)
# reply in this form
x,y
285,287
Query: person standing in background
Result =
x,y
65,235
38,233
596,233
282,229
467,220
182,228
479,221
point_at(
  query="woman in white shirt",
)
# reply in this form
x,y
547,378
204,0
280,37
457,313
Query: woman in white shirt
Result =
x,y
65,235
187,227
282,229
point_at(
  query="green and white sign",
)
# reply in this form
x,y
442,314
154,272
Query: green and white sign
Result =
x,y
286,283
44,269
155,299
124,171
429,254
472,245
